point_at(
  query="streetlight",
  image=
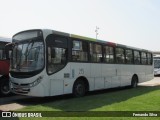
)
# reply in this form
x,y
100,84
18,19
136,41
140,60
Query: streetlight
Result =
x,y
97,28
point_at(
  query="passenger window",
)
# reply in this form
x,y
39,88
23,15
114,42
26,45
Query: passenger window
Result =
x,y
79,51
137,57
56,59
129,57
108,54
56,53
149,58
95,52
120,57
143,58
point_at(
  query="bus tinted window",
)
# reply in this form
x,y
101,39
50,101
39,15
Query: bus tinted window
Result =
x,y
149,60
79,51
56,53
120,57
137,58
108,54
96,52
129,57
56,59
143,58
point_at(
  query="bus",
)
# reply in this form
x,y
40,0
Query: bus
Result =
x,y
156,59
4,67
49,63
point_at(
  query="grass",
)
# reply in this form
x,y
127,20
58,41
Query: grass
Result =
x,y
139,99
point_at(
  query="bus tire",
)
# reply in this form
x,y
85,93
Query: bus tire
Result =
x,y
4,87
134,82
79,88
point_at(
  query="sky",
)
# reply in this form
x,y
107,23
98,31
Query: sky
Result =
x,y
130,22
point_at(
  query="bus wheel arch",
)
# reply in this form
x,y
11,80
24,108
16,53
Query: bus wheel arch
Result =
x,y
134,81
80,86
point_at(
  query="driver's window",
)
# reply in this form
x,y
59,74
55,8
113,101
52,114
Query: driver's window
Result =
x,y
56,52
56,59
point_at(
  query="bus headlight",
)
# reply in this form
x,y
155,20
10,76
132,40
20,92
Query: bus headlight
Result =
x,y
36,82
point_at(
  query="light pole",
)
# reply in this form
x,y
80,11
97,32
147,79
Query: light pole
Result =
x,y
97,28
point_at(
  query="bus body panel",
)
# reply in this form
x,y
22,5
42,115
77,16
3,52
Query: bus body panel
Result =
x,y
149,73
108,71
60,86
96,74
60,82
126,73
26,86
4,69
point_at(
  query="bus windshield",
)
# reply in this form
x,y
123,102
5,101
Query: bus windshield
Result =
x,y
28,56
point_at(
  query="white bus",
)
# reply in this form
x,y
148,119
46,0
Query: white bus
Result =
x,y
48,63
156,59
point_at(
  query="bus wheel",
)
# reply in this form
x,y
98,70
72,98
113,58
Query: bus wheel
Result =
x,y
4,87
134,82
79,88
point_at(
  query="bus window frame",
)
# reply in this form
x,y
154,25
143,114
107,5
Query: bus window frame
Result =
x,y
86,42
123,54
132,62
51,44
140,63
96,43
104,52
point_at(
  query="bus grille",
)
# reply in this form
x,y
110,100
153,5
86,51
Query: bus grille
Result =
x,y
21,88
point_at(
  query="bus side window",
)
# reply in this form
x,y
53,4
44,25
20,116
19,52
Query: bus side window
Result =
x,y
96,52
137,57
80,51
149,58
56,53
120,57
108,54
129,56
49,55
143,58
56,59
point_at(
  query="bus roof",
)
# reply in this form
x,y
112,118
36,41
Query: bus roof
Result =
x,y
87,39
3,39
97,40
